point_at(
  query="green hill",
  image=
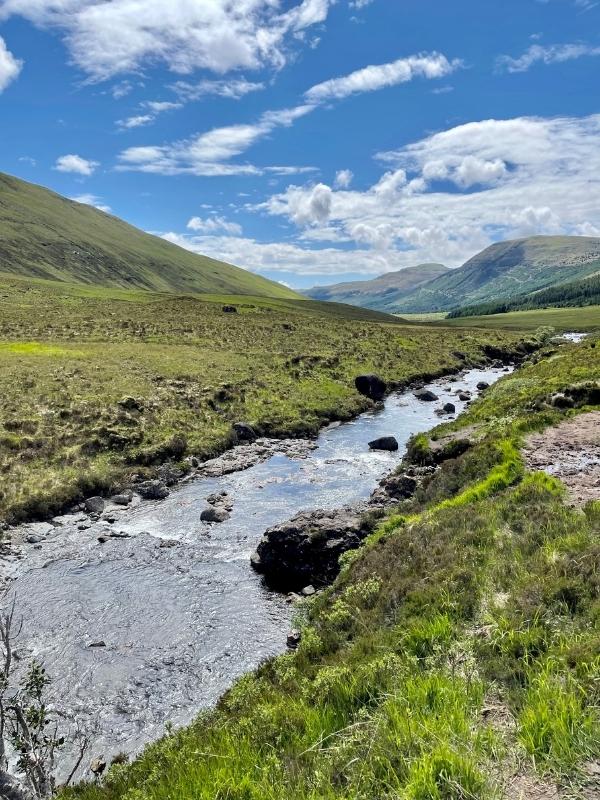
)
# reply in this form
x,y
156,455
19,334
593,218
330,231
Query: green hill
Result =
x,y
506,270
382,293
575,294
44,235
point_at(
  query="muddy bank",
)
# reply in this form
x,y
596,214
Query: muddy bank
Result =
x,y
571,452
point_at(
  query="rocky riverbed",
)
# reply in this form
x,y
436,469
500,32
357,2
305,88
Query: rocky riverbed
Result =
x,y
143,613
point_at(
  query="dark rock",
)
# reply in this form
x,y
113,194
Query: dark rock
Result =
x,y
98,766
399,487
103,539
94,505
122,499
110,518
101,643
306,549
229,310
449,408
153,490
131,404
384,443
371,386
213,514
169,474
562,401
464,396
426,395
244,432
293,639
483,385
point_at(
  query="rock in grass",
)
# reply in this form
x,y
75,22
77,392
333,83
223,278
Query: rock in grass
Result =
x,y
94,505
229,310
384,443
153,490
213,514
371,386
293,639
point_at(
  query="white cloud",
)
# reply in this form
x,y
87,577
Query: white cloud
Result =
x,y
154,107
232,89
108,37
552,54
10,67
502,179
77,164
137,121
205,153
371,78
92,200
343,178
214,225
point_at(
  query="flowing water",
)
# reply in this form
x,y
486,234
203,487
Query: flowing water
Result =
x,y
151,627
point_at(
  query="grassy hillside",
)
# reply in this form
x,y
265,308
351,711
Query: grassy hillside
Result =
x,y
506,270
575,294
44,235
563,319
69,354
383,292
455,658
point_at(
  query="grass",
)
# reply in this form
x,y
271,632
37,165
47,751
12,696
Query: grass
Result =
x,y
69,354
481,592
563,319
44,235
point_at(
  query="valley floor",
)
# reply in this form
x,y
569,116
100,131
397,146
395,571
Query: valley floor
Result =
x,y
98,386
456,656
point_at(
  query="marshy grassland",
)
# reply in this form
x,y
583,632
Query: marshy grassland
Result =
x,y
457,655
99,384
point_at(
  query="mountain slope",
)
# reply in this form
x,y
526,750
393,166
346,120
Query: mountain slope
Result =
x,y
508,269
44,235
381,293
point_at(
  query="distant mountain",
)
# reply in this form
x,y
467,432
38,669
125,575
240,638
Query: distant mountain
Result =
x,y
44,235
507,270
382,293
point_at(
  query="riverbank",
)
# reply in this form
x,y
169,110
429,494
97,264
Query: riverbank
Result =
x,y
455,656
99,387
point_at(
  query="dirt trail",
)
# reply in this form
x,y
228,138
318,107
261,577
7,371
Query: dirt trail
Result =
x,y
570,452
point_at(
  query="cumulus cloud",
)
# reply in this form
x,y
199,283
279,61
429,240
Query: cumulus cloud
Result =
x,y
343,178
10,67
108,37
77,164
213,225
552,54
500,179
371,78
92,200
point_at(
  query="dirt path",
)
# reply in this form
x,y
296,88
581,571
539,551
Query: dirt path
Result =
x,y
570,452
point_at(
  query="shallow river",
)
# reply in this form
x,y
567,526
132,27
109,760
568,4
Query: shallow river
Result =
x,y
176,608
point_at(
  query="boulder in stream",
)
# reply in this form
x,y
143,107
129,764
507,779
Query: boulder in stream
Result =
x,y
371,386
384,443
426,395
214,514
122,499
94,505
306,549
152,490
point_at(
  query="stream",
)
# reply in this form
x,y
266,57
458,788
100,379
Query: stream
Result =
x,y
150,627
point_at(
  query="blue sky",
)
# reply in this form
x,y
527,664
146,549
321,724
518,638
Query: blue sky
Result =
x,y
310,140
